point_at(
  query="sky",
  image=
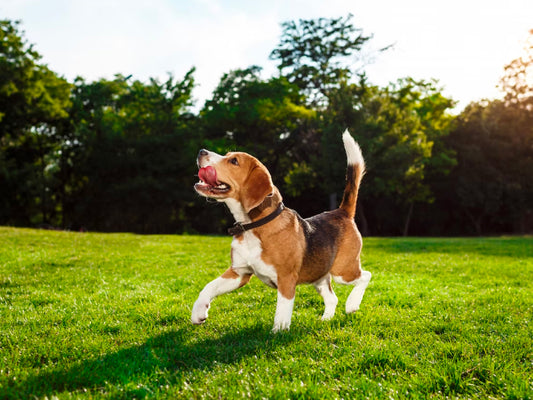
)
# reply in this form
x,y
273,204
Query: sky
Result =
x,y
464,44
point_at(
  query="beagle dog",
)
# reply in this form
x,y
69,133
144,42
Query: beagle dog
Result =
x,y
275,244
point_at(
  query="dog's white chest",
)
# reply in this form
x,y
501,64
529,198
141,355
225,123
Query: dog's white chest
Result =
x,y
246,253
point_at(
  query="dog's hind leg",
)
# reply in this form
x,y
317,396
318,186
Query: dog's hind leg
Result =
x,y
356,295
323,287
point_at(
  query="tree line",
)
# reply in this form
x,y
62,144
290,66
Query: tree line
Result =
x,y
119,155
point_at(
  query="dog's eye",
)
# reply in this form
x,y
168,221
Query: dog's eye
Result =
x,y
234,161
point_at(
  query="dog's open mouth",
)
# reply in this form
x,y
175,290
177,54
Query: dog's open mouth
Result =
x,y
209,182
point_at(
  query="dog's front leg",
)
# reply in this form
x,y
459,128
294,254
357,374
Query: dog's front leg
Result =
x,y
284,306
228,282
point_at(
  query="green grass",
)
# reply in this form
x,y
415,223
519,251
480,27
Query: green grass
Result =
x,y
107,316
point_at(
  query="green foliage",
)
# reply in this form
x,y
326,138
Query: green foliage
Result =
x,y
263,117
30,94
312,54
136,145
493,182
299,179
33,103
120,154
402,121
397,127
96,316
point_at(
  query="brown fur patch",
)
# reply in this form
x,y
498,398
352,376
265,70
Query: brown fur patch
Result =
x,y
257,187
347,264
231,274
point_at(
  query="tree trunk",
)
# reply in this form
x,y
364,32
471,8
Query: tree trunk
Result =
x,y
408,220
43,184
362,218
476,222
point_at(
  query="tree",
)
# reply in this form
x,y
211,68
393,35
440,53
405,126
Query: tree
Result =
x,y
33,103
398,129
130,155
317,55
493,181
493,140
264,117
29,92
517,81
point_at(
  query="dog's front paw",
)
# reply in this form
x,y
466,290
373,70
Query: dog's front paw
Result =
x,y
199,312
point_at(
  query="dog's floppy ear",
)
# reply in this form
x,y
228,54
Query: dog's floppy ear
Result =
x,y
258,185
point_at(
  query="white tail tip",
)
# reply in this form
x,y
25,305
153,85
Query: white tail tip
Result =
x,y
353,151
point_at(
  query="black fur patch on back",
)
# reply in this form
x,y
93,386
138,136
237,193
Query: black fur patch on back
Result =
x,y
322,232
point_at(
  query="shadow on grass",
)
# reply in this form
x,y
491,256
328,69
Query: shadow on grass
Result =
x,y
169,354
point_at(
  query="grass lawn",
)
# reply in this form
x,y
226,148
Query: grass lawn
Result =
x,y
87,315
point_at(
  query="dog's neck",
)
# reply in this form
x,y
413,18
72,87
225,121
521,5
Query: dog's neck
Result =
x,y
238,211
269,204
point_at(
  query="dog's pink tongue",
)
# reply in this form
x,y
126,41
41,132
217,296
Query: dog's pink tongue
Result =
x,y
208,175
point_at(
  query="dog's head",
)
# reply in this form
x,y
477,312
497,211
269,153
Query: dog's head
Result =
x,y
236,175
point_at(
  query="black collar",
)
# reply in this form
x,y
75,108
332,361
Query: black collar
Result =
x,y
239,228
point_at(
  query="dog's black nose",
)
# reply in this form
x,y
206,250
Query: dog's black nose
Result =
x,y
202,152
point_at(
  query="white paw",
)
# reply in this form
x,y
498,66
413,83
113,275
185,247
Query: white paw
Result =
x,y
329,310
350,309
327,316
199,312
281,326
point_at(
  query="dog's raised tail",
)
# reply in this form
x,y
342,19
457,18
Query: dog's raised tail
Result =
x,y
354,173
